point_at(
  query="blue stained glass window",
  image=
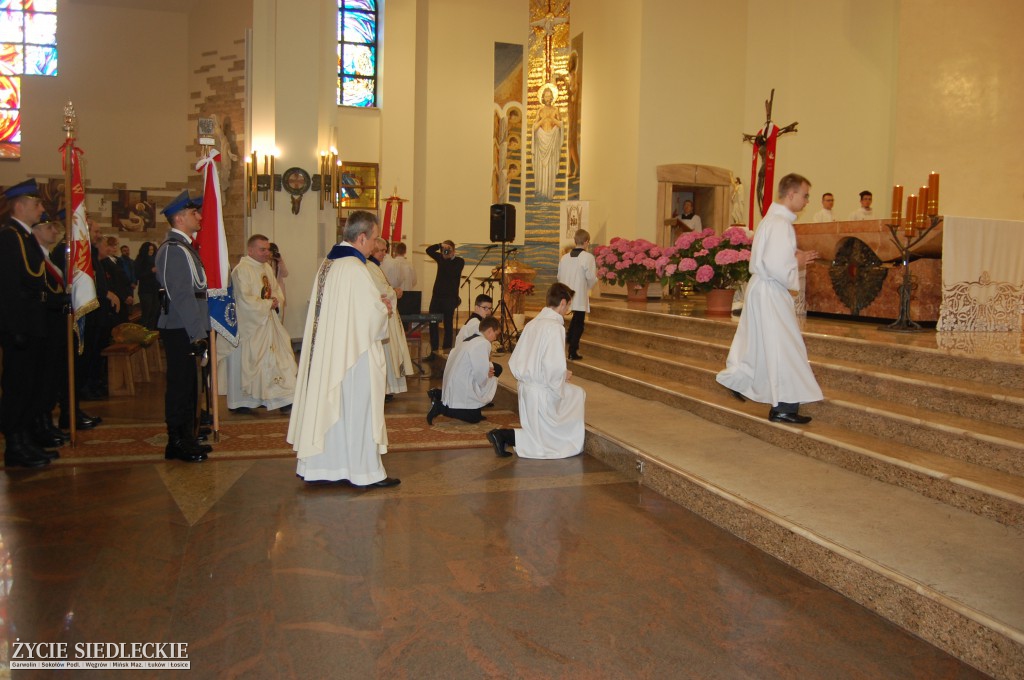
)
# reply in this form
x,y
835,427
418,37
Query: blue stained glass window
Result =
x,y
28,37
357,52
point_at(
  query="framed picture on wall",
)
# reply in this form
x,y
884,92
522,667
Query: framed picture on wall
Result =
x,y
132,211
358,187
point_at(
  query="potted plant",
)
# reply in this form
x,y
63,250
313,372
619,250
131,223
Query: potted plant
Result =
x,y
629,263
709,262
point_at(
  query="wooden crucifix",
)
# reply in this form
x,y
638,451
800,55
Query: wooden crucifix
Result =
x,y
764,141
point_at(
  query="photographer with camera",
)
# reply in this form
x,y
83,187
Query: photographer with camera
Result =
x,y
445,298
184,326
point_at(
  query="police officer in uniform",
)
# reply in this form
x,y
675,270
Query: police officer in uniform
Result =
x,y
22,326
184,325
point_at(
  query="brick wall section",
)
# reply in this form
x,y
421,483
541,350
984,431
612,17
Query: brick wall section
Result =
x,y
220,79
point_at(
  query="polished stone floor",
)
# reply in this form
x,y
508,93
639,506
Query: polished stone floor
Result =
x,y
475,567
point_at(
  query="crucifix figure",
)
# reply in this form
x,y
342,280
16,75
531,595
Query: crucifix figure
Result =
x,y
764,151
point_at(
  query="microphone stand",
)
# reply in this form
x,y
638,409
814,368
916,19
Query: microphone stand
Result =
x,y
469,287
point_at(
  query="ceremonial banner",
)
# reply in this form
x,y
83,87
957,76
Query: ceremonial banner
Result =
x,y
79,262
391,230
212,244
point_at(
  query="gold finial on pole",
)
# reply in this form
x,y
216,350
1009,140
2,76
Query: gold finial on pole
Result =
x,y
69,119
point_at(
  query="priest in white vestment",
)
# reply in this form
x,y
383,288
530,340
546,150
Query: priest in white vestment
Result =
x,y
396,349
767,362
825,214
337,426
261,370
470,378
864,212
550,408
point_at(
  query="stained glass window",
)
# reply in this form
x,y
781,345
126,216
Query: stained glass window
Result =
x,y
28,37
357,52
10,116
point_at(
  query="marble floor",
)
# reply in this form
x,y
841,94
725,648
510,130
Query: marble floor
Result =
x,y
475,567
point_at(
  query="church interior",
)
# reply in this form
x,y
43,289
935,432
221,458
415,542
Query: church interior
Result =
x,y
693,538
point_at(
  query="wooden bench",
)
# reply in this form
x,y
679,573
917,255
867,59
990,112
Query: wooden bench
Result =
x,y
126,363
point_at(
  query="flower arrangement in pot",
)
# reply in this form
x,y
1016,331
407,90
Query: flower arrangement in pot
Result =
x,y
516,290
630,263
706,260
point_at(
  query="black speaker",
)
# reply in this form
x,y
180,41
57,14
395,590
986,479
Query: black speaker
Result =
x,y
503,223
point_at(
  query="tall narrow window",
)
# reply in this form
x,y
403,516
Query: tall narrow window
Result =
x,y
28,37
357,52
10,116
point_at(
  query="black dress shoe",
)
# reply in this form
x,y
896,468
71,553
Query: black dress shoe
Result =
x,y
241,410
436,408
498,442
793,418
575,356
21,452
45,440
285,410
382,484
389,398
434,393
182,449
202,448
736,395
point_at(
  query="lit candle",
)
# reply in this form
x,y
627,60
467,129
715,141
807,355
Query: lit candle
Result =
x,y
922,204
933,193
897,203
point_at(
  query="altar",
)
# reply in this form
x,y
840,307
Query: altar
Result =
x,y
968,273
860,270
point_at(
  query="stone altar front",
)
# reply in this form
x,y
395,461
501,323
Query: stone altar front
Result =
x,y
860,285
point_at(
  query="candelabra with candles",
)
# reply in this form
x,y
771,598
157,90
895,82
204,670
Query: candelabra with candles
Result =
x,y
259,185
329,175
922,217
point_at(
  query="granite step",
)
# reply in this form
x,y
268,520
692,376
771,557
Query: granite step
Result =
x,y
989,442
949,576
982,490
954,358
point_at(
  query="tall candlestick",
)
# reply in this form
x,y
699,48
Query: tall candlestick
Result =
x,y
933,193
911,209
272,156
897,203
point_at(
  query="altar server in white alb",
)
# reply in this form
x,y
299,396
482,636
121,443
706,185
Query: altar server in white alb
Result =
x,y
550,408
396,349
470,378
767,362
261,370
337,426
578,270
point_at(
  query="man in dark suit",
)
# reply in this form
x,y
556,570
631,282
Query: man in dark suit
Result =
x,y
117,281
184,326
23,296
445,298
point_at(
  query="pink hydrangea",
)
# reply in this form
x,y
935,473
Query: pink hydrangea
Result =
x,y
670,269
687,264
727,256
711,242
705,273
649,263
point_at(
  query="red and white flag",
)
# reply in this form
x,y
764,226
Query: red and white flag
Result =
x,y
212,244
79,264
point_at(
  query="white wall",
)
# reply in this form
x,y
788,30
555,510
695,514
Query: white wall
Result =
x,y
961,100
126,71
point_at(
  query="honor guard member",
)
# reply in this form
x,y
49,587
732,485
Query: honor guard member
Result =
x,y
184,326
22,326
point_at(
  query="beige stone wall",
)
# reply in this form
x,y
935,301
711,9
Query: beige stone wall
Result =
x,y
961,98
